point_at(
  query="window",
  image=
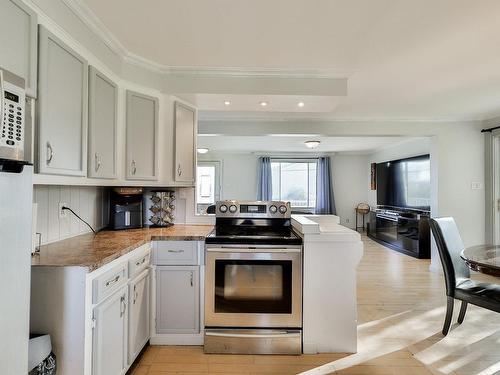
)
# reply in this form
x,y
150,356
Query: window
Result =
x,y
208,185
295,181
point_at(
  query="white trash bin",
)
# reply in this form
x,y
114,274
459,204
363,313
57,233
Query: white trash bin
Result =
x,y
41,360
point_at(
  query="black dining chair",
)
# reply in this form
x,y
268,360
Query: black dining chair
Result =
x,y
457,275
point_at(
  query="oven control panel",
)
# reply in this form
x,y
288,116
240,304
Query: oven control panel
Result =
x,y
253,209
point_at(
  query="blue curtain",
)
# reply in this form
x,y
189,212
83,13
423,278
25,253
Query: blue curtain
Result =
x,y
325,203
265,188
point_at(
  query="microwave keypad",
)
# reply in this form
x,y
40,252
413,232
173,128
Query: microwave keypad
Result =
x,y
12,124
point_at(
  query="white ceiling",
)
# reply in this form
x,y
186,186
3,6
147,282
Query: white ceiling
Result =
x,y
418,59
275,103
295,144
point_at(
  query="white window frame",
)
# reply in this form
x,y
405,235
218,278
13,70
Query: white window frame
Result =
x,y
218,177
297,160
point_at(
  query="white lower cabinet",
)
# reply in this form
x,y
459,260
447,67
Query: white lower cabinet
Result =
x,y
177,299
138,314
109,346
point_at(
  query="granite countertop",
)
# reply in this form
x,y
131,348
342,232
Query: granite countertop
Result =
x,y
93,251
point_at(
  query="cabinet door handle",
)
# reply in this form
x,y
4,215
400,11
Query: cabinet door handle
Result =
x,y
97,162
134,167
50,153
123,307
179,170
192,275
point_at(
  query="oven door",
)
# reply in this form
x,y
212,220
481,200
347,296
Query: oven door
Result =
x,y
253,287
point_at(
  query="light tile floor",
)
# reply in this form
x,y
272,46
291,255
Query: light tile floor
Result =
x,y
400,312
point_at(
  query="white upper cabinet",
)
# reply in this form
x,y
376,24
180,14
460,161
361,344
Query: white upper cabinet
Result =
x,y
185,144
18,42
62,109
103,102
142,137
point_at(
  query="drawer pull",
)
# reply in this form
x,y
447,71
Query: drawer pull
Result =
x,y
175,251
141,262
112,281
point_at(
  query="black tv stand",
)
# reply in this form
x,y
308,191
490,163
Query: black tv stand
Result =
x,y
403,230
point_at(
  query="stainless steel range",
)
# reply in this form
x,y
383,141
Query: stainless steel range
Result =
x,y
253,285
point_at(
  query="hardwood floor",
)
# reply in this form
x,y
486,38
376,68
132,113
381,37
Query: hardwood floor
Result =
x,y
401,309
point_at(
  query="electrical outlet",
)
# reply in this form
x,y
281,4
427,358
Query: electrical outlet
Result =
x,y
63,214
347,221
476,185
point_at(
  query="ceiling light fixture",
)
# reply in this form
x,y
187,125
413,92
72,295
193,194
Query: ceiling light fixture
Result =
x,y
301,104
202,150
227,102
263,104
312,144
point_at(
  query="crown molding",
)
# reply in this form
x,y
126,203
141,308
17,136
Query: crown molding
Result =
x,y
95,25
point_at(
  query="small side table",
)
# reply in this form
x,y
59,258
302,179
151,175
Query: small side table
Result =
x,y
361,209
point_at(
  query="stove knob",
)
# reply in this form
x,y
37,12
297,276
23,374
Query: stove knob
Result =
x,y
223,208
233,208
282,209
273,209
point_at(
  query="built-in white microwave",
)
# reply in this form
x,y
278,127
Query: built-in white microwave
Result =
x,y
12,116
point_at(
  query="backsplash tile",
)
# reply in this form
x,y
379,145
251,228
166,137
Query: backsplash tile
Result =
x,y
91,203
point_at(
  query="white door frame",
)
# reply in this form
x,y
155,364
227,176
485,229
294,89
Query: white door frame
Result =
x,y
495,174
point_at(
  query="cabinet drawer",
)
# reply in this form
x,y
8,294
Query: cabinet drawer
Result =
x,y
138,264
176,252
105,285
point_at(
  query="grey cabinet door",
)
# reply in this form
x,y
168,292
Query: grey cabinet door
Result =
x,y
177,299
110,335
138,332
142,137
62,116
103,104
185,144
18,42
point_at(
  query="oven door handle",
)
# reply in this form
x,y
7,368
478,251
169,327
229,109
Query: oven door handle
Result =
x,y
274,335
228,249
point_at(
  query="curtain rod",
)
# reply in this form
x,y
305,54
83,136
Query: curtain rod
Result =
x,y
292,158
490,129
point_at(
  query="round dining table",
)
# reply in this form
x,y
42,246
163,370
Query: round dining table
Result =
x,y
483,258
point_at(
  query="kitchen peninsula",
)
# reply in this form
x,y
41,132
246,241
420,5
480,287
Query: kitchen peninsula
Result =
x,y
86,291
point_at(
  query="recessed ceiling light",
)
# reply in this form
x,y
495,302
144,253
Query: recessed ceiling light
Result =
x,y
312,144
301,104
202,150
263,104
227,102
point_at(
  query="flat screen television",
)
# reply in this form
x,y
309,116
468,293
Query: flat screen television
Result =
x,y
405,183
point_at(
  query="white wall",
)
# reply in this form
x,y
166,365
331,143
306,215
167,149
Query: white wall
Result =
x,y
349,185
89,202
239,174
